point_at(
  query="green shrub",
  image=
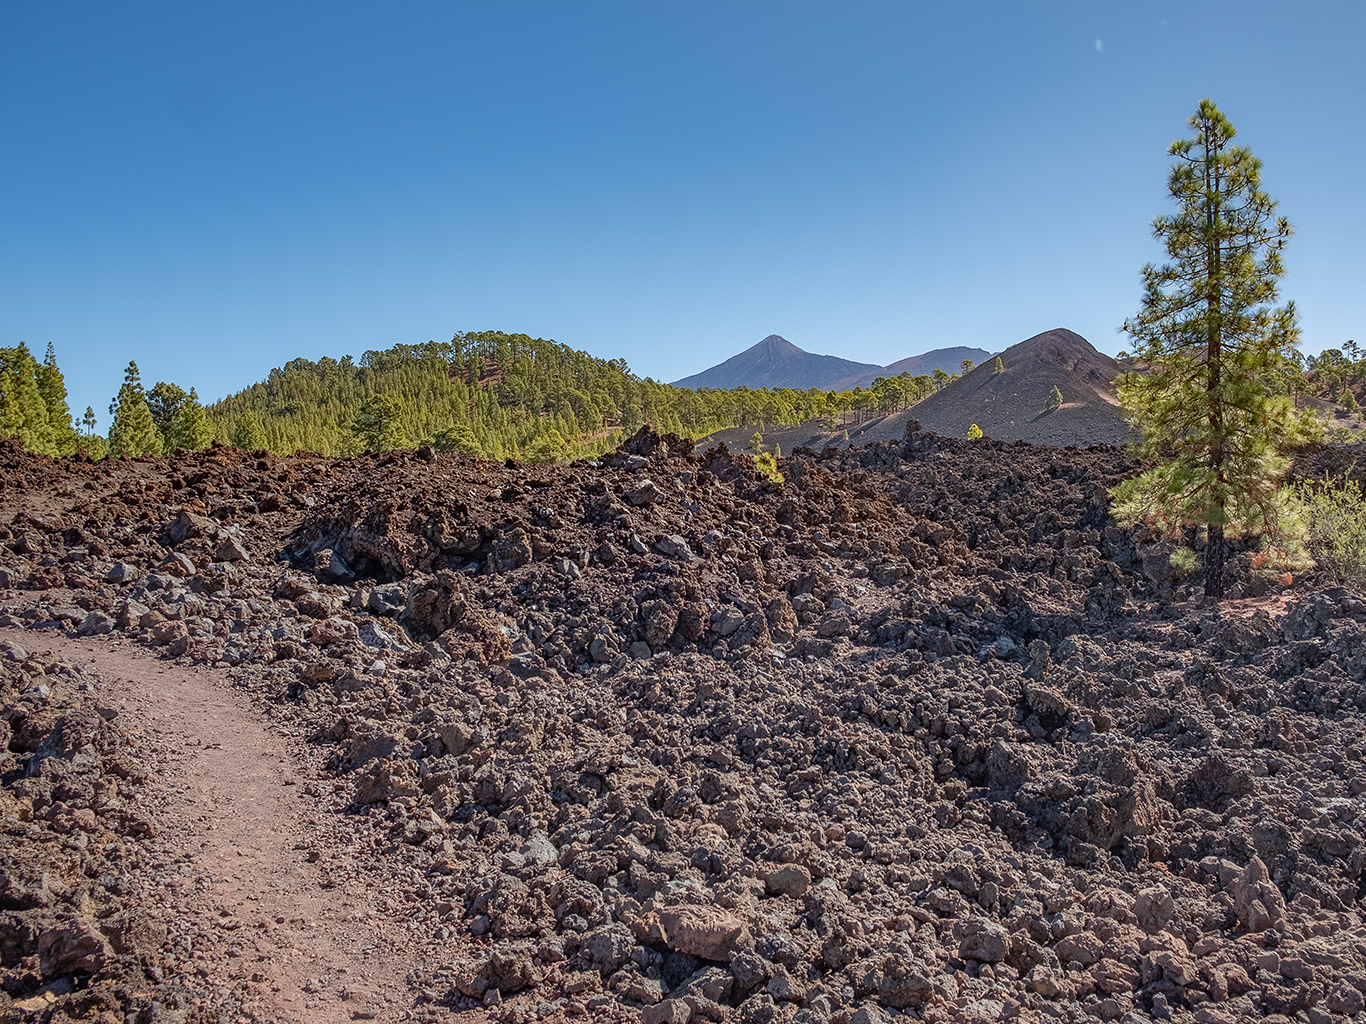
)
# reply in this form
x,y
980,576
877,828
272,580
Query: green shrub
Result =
x,y
767,464
974,432
1053,401
1184,561
1334,514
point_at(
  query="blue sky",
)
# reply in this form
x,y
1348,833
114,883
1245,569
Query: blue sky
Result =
x,y
212,189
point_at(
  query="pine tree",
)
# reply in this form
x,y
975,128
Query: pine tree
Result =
x,y
999,366
133,432
378,425
549,447
247,432
1212,338
1053,401
23,413
61,436
190,427
165,400
967,366
457,438
89,421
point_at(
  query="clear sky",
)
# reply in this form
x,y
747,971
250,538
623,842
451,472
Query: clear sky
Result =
x,y
212,189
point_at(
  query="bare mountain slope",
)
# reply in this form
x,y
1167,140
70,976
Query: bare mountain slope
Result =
x,y
1009,405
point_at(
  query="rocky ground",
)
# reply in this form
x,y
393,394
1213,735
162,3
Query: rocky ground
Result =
x,y
916,733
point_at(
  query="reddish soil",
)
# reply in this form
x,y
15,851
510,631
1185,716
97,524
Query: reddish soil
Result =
x,y
238,842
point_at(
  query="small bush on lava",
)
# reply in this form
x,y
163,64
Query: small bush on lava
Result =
x,y
1334,513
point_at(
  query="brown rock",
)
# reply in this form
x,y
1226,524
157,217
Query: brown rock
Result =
x,y
900,986
788,880
1227,980
1114,977
512,551
1083,947
1256,900
315,605
136,932
660,619
1153,907
479,639
834,624
332,631
166,632
1344,998
753,632
671,1011
711,933
644,493
72,947
177,564
1048,982
388,780
692,621
1177,968
437,604
188,525
782,620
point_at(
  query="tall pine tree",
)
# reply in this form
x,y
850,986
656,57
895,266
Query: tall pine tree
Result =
x,y
133,432
190,426
1211,337
180,418
62,437
23,413
247,432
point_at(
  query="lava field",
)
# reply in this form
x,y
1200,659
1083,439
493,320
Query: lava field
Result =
x,y
916,733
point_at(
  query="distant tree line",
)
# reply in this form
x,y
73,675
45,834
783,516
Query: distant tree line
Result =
x,y
487,393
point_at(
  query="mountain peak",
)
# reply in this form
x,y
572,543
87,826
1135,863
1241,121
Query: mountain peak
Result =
x,y
1009,405
776,341
776,363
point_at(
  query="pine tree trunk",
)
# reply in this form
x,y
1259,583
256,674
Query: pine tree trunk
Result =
x,y
1214,564
1214,552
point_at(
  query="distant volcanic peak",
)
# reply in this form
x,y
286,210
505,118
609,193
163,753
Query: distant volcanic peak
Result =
x,y
774,348
776,342
775,363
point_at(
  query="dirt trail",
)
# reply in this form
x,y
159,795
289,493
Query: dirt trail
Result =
x,y
239,832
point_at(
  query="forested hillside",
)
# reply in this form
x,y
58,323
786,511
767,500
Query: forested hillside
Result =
x,y
504,396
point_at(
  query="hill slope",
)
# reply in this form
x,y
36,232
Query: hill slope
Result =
x,y
777,363
1009,406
